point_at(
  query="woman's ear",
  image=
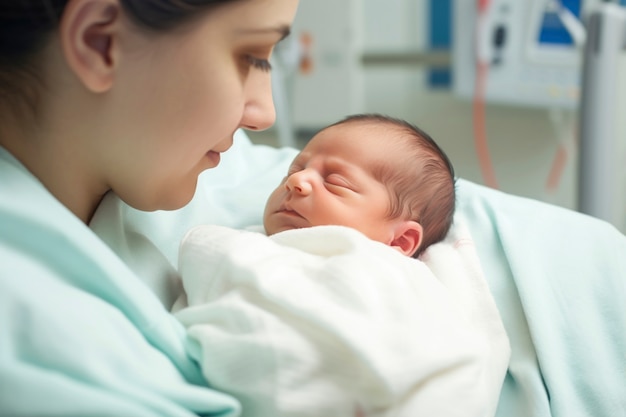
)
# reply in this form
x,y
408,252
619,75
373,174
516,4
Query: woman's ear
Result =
x,y
407,237
89,35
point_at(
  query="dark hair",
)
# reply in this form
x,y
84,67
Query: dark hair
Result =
x,y
26,26
422,185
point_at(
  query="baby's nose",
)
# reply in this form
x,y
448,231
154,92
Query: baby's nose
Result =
x,y
299,183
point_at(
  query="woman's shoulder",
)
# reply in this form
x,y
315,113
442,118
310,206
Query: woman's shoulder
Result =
x,y
46,250
75,319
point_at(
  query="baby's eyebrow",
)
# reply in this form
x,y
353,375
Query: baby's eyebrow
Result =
x,y
299,160
294,167
340,166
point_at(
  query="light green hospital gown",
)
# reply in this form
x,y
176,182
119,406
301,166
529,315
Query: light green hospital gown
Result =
x,y
80,334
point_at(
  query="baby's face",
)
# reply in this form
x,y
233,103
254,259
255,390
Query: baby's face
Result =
x,y
331,182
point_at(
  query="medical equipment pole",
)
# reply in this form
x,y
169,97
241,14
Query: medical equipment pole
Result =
x,y
601,169
285,63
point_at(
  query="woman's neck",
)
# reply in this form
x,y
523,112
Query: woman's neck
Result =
x,y
59,165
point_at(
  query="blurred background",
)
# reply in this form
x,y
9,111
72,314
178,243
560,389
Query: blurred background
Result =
x,y
497,83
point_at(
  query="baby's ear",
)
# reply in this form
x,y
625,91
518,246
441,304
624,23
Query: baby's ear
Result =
x,y
407,237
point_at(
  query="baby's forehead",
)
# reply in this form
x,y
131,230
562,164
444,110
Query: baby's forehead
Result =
x,y
357,134
363,142
319,158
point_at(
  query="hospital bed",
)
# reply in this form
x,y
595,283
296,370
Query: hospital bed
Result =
x,y
558,278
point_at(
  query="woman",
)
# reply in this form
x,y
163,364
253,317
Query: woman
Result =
x,y
134,97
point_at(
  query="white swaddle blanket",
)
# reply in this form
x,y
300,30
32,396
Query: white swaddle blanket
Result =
x,y
325,322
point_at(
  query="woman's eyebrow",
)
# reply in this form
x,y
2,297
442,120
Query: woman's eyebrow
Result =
x,y
283,31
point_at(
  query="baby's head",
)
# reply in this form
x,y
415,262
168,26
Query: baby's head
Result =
x,y
377,174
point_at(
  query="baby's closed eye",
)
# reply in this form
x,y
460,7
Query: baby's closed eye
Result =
x,y
338,181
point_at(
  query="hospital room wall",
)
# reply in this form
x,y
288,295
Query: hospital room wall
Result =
x,y
523,142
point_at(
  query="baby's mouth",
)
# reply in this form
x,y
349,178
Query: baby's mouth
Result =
x,y
288,210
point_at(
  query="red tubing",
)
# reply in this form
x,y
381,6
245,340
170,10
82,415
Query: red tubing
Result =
x,y
480,131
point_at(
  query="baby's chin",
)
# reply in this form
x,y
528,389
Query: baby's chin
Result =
x,y
284,220
277,229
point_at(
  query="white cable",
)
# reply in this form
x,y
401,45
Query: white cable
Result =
x,y
572,24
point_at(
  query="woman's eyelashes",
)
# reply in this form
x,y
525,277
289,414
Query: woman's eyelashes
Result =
x,y
259,63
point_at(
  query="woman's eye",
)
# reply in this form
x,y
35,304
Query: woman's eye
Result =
x,y
259,63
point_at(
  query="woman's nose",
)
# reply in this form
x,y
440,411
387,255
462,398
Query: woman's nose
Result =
x,y
299,183
259,112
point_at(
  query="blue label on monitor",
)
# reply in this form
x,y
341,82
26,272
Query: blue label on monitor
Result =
x,y
552,30
440,38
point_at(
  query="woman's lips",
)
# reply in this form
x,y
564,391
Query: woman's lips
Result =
x,y
213,157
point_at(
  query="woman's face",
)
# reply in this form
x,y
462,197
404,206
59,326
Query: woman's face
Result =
x,y
179,97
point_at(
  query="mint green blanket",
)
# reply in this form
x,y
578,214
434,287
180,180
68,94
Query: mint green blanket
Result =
x,y
80,334
559,279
